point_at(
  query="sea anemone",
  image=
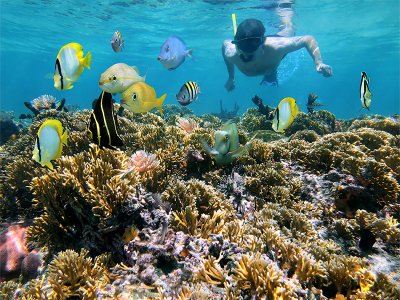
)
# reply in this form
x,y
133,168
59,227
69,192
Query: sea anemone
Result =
x,y
189,125
143,161
44,102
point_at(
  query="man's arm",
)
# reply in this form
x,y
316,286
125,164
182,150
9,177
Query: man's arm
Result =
x,y
295,43
230,83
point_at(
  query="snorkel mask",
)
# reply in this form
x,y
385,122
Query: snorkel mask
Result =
x,y
248,38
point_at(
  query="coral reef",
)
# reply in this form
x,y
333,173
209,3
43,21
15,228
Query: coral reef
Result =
x,y
312,214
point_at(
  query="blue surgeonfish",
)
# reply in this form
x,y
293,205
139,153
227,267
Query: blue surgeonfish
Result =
x,y
49,142
284,115
69,65
365,94
103,124
173,53
117,78
117,43
226,147
188,93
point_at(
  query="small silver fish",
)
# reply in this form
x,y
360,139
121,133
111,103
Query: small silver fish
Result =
x,y
188,93
117,43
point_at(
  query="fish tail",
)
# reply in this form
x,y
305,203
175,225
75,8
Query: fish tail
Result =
x,y
160,103
189,53
64,138
87,60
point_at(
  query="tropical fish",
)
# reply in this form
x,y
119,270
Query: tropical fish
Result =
x,y
49,142
284,115
226,147
173,53
188,93
365,94
141,97
69,65
117,78
117,43
103,125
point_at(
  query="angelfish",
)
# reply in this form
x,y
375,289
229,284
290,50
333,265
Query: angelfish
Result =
x,y
69,65
49,142
284,115
173,53
226,147
103,125
365,94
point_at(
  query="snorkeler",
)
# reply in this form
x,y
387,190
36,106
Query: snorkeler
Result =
x,y
254,54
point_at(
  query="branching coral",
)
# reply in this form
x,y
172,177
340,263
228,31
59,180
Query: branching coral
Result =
x,y
256,276
81,200
197,208
71,275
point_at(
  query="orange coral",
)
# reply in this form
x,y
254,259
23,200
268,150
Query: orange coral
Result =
x,y
189,125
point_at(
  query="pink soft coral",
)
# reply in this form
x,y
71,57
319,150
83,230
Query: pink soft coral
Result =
x,y
143,161
187,124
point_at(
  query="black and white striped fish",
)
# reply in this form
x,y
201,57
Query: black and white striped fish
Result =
x,y
365,94
188,93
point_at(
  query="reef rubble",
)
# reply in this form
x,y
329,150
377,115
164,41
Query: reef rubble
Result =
x,y
309,214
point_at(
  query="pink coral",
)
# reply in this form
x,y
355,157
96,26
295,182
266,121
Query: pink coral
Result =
x,y
187,124
143,161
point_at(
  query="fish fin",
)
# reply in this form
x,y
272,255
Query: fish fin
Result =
x,y
160,102
87,60
136,69
64,137
69,87
189,53
49,165
206,146
239,152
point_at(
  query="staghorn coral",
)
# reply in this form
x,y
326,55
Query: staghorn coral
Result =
x,y
252,120
71,275
197,208
390,125
82,201
322,122
254,275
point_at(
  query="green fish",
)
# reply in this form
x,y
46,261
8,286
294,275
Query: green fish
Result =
x,y
226,146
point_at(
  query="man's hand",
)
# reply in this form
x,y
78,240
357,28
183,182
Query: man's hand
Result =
x,y
230,85
324,70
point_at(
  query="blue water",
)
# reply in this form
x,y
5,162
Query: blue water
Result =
x,y
353,36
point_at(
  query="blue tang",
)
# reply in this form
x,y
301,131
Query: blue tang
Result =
x,y
173,53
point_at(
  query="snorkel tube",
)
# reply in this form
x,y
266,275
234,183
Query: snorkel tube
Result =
x,y
234,24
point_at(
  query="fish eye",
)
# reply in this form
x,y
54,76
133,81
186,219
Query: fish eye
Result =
x,y
226,138
114,77
134,96
166,48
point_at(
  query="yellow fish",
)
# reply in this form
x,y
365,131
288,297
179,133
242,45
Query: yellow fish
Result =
x,y
141,97
285,113
117,78
69,65
49,142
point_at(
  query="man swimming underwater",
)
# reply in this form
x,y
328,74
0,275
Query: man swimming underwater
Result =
x,y
254,54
